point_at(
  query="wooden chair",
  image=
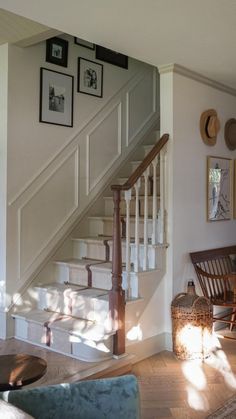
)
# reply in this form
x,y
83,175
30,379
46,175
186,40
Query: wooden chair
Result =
x,y
215,270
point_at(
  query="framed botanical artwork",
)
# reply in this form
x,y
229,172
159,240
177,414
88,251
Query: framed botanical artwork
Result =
x,y
90,77
57,51
83,43
219,188
111,57
56,98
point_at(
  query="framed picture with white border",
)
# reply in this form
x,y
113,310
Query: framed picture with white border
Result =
x,y
56,98
90,77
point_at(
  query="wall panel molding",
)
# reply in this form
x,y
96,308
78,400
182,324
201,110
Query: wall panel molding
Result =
x,y
141,104
113,116
27,220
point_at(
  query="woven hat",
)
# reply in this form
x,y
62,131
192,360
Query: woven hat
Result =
x,y
230,134
209,126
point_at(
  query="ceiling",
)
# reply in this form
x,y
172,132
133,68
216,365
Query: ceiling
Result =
x,y
197,34
21,31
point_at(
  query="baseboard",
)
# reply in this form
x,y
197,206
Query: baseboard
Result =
x,y
3,325
151,346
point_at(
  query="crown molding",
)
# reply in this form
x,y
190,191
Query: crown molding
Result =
x,y
183,71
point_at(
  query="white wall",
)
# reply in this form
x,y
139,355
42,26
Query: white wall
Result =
x,y
53,172
32,143
3,164
183,99
191,230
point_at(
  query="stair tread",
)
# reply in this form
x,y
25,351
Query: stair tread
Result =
x,y
79,262
110,218
75,289
93,239
75,326
141,197
100,239
60,287
94,263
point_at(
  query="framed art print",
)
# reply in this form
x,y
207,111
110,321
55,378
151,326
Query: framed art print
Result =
x,y
219,189
57,51
56,98
90,77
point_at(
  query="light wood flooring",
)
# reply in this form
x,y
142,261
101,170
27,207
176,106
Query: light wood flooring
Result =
x,y
169,388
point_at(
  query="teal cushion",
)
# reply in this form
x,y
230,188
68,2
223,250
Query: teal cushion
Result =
x,y
112,398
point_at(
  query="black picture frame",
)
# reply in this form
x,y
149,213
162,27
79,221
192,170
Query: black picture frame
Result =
x,y
56,98
84,43
90,77
57,51
111,57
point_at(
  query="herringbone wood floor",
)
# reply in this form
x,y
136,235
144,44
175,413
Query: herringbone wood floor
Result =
x,y
174,389
169,388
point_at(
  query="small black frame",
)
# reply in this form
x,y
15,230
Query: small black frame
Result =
x,y
84,43
57,51
111,57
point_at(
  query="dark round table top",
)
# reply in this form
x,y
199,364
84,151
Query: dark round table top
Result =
x,y
17,370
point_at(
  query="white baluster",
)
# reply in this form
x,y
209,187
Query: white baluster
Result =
x,y
127,261
161,214
154,202
145,231
136,257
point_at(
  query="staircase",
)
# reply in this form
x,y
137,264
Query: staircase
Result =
x,y
87,307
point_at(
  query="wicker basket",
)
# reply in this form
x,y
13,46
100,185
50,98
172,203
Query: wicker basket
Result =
x,y
192,320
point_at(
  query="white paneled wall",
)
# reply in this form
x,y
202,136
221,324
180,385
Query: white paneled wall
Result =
x,y
43,211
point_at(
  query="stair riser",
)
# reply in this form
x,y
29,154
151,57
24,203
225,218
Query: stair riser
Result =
x,y
64,342
142,187
79,276
105,228
109,207
74,304
94,251
152,262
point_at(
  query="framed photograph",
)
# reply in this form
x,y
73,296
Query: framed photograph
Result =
x,y
219,188
83,43
90,77
57,51
56,98
111,57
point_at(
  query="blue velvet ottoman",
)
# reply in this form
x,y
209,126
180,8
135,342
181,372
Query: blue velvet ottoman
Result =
x,y
111,398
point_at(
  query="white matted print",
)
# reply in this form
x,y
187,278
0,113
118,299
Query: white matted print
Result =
x,y
56,98
90,77
219,189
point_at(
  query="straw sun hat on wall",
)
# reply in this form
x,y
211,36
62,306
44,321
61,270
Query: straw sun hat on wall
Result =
x,y
230,134
209,126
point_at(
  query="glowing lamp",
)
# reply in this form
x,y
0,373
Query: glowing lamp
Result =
x,y
192,320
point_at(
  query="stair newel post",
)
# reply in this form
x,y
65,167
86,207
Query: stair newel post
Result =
x,y
127,261
117,294
154,202
145,233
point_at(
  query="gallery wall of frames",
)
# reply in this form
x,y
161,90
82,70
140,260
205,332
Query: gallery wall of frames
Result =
x,y
57,87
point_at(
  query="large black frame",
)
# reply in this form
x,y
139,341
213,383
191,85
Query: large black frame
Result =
x,y
111,57
57,46
63,115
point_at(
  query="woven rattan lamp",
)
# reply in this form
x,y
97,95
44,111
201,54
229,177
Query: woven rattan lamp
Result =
x,y
192,319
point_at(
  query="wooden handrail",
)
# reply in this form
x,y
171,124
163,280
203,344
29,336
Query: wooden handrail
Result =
x,y
117,294
143,165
